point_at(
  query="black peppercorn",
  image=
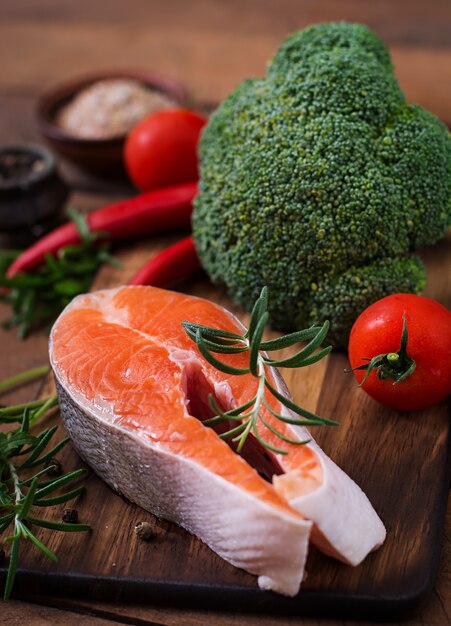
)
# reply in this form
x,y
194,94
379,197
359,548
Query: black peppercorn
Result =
x,y
54,467
70,516
144,530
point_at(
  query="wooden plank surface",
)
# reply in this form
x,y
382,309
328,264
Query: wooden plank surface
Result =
x,y
210,54
377,447
211,46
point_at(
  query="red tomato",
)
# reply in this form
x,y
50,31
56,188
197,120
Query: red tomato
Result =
x,y
378,331
162,149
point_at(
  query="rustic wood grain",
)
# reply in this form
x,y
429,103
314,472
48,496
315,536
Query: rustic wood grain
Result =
x,y
212,45
426,24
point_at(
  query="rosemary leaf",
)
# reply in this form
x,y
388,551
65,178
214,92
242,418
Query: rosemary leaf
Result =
x,y
223,367
233,431
27,533
25,424
60,482
317,356
237,412
297,409
29,480
224,348
293,420
266,444
255,344
299,359
214,421
48,404
260,307
15,441
6,518
13,559
208,331
295,442
69,528
51,453
82,225
6,522
289,340
64,497
44,439
28,501
241,438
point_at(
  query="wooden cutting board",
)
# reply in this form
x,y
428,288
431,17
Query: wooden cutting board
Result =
x,y
401,460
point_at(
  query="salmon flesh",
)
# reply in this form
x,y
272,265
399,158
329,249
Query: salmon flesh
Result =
x,y
133,390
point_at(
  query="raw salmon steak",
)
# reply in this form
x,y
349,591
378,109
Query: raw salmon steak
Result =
x,y
133,390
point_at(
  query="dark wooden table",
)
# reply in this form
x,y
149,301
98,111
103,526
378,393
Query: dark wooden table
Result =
x,y
211,46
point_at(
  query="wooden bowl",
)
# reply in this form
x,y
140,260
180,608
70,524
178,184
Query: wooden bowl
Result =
x,y
98,156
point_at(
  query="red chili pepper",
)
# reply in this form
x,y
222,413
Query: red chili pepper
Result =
x,y
156,211
175,263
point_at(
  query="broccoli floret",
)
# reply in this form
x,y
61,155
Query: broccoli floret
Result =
x,y
339,297
319,180
301,47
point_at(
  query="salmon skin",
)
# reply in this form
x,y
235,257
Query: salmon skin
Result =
x,y
133,390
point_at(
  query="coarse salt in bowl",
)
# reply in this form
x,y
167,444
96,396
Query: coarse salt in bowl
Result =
x,y
102,154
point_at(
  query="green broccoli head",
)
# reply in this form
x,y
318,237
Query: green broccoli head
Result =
x,y
319,180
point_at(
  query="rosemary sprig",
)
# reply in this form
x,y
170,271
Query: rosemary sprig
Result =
x,y
247,416
25,464
40,295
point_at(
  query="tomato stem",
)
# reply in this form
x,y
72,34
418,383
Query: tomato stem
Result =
x,y
396,366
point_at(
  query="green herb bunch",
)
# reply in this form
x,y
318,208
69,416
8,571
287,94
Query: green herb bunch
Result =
x,y
27,480
39,296
247,416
